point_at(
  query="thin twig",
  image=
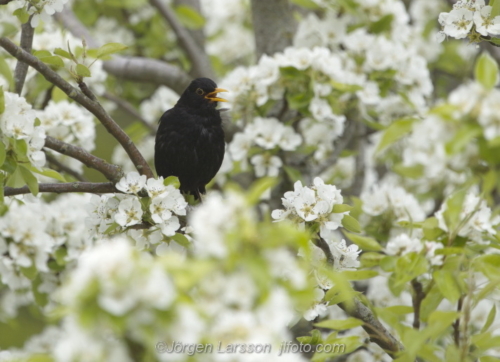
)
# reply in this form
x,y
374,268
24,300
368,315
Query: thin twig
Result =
x,y
94,107
85,90
58,166
112,172
200,61
323,245
47,97
456,325
59,188
129,108
5,2
417,299
27,33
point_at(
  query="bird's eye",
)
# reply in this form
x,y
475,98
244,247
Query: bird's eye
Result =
x,y
200,91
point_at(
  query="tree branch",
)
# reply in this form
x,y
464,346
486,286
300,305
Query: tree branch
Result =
x,y
59,188
27,33
94,107
377,332
129,108
200,62
273,26
112,172
136,69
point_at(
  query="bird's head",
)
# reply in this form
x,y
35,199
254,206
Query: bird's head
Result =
x,y
202,93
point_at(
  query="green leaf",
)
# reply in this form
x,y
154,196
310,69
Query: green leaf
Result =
x,y
462,138
48,173
112,228
189,17
307,4
2,182
293,174
30,272
370,259
53,60
489,320
82,71
438,323
447,285
63,53
414,172
30,179
3,153
364,242
110,48
453,209
359,274
351,224
42,53
340,208
340,325
495,11
6,72
172,180
2,103
181,239
486,71
22,14
394,132
300,100
15,179
259,187
384,24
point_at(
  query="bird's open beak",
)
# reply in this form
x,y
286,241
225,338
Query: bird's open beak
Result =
x,y
213,95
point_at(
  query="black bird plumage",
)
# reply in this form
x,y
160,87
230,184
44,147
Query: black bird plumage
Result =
x,y
190,139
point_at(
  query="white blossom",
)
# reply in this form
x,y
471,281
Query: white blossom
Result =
x,y
132,183
129,212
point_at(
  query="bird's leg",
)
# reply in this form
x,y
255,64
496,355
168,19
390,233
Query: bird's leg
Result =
x,y
198,196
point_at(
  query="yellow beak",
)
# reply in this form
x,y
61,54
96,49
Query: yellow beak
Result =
x,y
213,95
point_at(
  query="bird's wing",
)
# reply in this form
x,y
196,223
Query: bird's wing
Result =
x,y
175,151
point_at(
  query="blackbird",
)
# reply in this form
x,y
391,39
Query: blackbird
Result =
x,y
190,139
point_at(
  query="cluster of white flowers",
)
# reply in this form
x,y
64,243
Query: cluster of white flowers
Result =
x,y
226,30
466,14
476,219
120,210
212,221
108,30
432,136
70,123
17,122
266,133
32,234
313,204
473,99
404,244
386,197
